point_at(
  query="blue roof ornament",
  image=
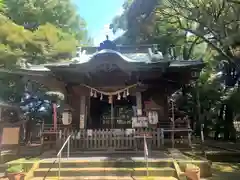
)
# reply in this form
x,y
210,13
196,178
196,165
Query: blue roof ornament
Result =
x,y
107,44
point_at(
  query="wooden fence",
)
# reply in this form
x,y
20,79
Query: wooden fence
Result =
x,y
118,139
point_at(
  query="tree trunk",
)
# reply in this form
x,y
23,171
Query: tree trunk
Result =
x,y
218,125
228,122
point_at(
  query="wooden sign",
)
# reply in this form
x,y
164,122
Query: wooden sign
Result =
x,y
129,132
141,121
10,136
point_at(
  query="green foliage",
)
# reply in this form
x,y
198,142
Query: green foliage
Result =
x,y
49,44
46,44
12,88
207,29
15,168
36,31
214,21
60,13
54,31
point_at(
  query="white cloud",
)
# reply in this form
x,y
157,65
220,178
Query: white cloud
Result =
x,y
101,36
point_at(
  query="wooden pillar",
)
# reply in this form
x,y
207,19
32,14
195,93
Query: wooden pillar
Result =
x,y
139,103
0,113
54,106
82,119
112,116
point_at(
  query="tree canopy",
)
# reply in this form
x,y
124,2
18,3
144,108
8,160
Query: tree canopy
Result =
x,y
36,32
40,31
194,29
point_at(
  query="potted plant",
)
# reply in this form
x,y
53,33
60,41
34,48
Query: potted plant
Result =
x,y
15,172
192,172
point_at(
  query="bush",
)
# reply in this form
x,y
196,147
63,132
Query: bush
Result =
x,y
15,168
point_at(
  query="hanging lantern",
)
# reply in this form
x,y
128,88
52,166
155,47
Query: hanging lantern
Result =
x,y
110,99
101,97
91,92
95,94
119,96
127,92
124,94
67,116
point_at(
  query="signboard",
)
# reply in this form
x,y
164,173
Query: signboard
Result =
x,y
10,136
82,120
129,132
141,121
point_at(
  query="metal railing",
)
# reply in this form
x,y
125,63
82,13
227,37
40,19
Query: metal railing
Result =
x,y
145,152
59,154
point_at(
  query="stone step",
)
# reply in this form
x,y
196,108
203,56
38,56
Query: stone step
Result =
x,y
107,163
68,172
3,168
2,174
107,178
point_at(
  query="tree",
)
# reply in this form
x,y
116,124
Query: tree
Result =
x,y
12,42
36,32
216,23
49,44
144,28
60,13
46,44
185,25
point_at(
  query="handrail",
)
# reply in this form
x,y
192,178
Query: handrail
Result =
x,y
145,152
59,154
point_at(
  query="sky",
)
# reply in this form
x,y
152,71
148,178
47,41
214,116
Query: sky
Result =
x,y
99,14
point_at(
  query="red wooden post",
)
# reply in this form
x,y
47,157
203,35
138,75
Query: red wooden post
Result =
x,y
54,116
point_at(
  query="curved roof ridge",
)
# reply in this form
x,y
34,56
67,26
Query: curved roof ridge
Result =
x,y
113,52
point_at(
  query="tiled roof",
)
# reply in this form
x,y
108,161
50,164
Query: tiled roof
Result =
x,y
131,57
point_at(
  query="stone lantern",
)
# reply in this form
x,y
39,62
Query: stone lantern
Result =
x,y
67,115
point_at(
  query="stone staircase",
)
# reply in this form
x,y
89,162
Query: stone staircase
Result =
x,y
107,169
3,168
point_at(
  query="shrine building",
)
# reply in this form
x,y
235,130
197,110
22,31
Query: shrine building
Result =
x,y
116,87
